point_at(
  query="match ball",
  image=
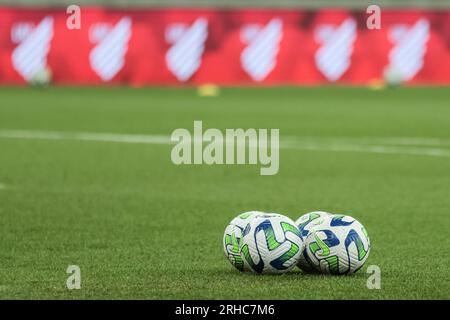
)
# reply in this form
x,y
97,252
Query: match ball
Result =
x,y
393,77
309,220
339,246
271,243
41,78
306,223
232,238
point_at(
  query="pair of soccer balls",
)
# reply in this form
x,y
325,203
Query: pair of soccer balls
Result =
x,y
317,242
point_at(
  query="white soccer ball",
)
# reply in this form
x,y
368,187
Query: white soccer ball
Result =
x,y
393,76
271,243
339,246
41,78
306,223
309,220
232,238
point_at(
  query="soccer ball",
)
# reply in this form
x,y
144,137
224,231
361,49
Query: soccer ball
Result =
x,y
41,78
309,220
306,223
393,76
232,238
341,245
271,243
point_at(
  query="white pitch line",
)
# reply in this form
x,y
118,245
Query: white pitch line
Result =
x,y
433,152
437,142
163,139
368,145
85,136
407,141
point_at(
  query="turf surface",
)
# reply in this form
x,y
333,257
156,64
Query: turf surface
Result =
x,y
140,227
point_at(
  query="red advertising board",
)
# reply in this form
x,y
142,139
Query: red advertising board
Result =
x,y
228,47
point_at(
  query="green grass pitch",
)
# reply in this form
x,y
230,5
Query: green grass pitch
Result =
x,y
140,227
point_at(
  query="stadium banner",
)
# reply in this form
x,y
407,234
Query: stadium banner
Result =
x,y
226,47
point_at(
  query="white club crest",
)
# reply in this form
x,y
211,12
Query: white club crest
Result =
x,y
107,58
188,44
333,57
258,59
30,56
410,45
